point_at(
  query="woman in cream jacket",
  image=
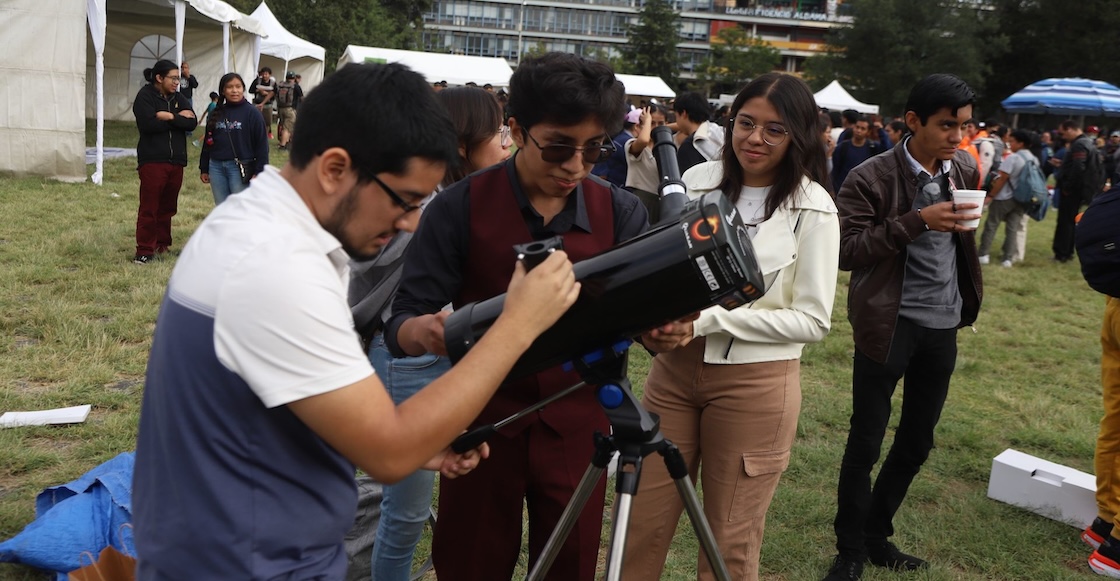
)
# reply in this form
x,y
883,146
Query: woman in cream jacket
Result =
x,y
730,398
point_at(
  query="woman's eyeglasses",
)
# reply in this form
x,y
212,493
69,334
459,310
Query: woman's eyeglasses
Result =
x,y
559,153
773,134
507,136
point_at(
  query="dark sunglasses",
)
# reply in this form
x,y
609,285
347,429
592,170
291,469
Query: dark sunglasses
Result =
x,y
559,153
399,201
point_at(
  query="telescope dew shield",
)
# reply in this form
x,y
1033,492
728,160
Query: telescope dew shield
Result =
x,y
670,188
703,259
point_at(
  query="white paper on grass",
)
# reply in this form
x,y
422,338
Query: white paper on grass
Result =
x,y
71,415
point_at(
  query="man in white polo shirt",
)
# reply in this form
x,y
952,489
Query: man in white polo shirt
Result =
x,y
259,399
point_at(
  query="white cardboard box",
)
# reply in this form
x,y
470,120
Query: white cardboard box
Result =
x,y
1045,488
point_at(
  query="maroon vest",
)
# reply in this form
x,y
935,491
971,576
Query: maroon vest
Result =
x,y
496,224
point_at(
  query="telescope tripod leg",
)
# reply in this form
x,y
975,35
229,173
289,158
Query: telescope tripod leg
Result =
x,y
628,486
604,451
678,471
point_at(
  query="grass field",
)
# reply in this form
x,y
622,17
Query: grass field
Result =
x,y
76,319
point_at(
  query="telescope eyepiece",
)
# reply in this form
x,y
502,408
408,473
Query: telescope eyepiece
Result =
x,y
533,253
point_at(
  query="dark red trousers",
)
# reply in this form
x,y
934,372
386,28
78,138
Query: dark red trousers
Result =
x,y
478,531
159,201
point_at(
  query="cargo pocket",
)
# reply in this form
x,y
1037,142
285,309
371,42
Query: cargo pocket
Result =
x,y
755,484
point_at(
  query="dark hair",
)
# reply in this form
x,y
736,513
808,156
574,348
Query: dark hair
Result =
x,y
824,122
160,69
1023,136
220,108
991,122
695,104
899,126
404,121
795,104
477,116
264,70
938,91
1070,124
214,95
566,89
850,115
999,131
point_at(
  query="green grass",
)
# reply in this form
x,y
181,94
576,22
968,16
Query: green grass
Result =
x,y
76,319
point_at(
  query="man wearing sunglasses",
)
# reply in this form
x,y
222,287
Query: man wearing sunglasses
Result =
x,y
563,109
259,400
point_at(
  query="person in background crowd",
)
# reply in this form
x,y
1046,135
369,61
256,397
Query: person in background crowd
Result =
x,y
163,117
236,145
642,177
264,93
1078,184
851,152
730,398
704,140
188,83
613,168
915,281
896,130
288,94
1002,206
483,141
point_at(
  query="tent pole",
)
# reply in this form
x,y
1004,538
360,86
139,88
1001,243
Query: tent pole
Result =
x,y
226,32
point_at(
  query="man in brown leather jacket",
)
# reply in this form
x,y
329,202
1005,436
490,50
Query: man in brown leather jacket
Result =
x,y
915,281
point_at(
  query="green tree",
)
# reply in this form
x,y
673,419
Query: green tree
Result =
x,y
886,51
652,45
737,57
1037,49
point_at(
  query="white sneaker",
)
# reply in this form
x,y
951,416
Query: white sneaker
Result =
x,y
984,259
1005,264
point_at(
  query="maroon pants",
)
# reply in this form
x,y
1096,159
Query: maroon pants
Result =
x,y
478,532
159,201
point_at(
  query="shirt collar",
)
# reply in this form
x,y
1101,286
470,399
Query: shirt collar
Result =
x,y
574,213
946,165
287,200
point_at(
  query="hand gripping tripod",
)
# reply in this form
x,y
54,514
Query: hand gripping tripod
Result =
x,y
635,434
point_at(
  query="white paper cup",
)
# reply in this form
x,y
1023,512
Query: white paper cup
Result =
x,y
970,197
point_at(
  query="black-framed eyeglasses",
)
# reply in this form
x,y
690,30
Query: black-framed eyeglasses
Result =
x,y
773,134
559,152
397,200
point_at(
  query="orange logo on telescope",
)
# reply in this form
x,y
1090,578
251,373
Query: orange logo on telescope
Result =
x,y
700,233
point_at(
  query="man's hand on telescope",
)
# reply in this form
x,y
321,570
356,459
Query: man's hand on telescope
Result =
x,y
454,465
537,299
670,335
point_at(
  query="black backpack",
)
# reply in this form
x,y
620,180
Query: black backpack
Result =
x,y
1098,243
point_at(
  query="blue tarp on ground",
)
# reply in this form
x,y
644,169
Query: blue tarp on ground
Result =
x,y
82,516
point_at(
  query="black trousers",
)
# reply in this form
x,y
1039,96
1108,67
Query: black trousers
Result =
x,y
1068,207
925,358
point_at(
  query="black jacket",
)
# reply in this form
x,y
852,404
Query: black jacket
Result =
x,y
161,141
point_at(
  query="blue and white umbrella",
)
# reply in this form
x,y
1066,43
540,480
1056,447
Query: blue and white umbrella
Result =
x,y
1073,96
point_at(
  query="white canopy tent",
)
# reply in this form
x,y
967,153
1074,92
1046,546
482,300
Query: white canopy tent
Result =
x,y
646,86
456,69
283,51
42,122
127,36
835,98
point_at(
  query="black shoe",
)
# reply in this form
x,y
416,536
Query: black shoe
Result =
x,y
142,259
887,555
845,568
1096,533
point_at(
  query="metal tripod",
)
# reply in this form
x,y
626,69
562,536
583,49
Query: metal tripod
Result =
x,y
635,434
